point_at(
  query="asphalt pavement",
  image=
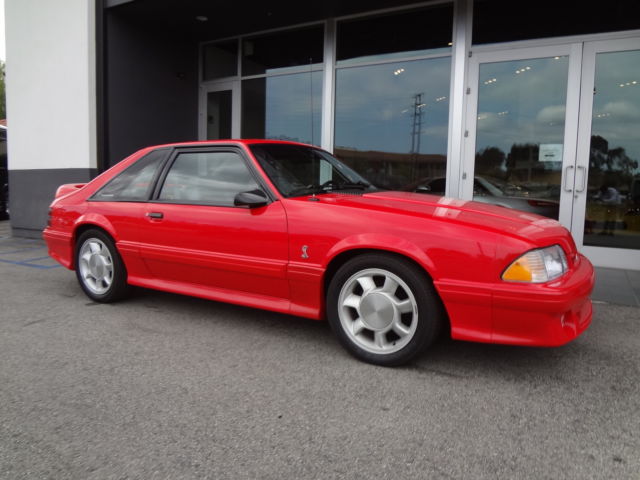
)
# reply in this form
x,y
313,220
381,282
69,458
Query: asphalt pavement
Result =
x,y
167,387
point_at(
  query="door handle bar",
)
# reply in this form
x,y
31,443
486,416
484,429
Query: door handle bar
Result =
x,y
155,215
584,178
567,172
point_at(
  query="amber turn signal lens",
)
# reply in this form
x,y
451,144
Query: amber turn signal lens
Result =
x,y
537,266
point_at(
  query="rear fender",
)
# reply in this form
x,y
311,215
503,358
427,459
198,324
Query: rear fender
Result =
x,y
96,220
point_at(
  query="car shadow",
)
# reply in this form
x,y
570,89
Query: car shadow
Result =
x,y
447,358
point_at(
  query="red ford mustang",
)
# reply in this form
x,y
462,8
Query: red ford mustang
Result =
x,y
287,227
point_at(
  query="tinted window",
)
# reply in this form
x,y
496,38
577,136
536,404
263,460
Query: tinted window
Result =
x,y
506,20
135,183
415,32
285,107
209,178
278,51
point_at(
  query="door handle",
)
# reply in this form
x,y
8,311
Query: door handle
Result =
x,y
155,215
567,172
584,178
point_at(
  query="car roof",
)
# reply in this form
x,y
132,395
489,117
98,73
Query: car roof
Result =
x,y
244,141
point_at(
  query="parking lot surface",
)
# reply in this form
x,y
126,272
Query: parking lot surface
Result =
x,y
163,386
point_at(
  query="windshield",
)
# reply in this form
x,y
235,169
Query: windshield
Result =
x,y
298,170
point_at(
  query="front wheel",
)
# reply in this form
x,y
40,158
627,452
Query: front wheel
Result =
x,y
99,268
383,309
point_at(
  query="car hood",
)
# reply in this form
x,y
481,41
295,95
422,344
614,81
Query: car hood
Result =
x,y
480,215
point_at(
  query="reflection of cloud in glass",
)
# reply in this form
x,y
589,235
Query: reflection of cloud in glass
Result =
x,y
551,114
375,106
524,107
616,110
289,101
623,110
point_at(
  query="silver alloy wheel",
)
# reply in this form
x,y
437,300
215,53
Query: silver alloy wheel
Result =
x,y
96,266
378,311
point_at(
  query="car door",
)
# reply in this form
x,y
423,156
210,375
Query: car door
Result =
x,y
195,236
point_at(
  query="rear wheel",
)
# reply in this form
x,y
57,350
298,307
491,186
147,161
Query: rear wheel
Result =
x,y
383,309
99,268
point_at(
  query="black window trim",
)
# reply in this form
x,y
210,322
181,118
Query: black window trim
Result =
x,y
153,182
164,171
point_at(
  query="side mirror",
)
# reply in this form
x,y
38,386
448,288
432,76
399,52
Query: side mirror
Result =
x,y
253,199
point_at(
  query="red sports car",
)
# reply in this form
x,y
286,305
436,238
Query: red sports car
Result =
x,y
287,227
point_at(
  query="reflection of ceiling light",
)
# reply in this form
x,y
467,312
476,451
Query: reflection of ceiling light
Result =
x,y
523,69
422,105
398,71
556,58
502,114
202,18
629,84
491,80
481,117
450,43
439,99
602,115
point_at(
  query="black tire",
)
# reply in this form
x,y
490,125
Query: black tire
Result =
x,y
99,267
367,322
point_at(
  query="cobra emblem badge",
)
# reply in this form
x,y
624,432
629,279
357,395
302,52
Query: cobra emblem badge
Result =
x,y
304,252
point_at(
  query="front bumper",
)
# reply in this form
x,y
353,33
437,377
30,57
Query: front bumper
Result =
x,y
549,314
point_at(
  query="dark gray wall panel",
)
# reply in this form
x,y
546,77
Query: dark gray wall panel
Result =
x,y
150,88
31,192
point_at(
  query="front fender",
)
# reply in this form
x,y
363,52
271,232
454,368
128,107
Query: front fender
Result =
x,y
385,242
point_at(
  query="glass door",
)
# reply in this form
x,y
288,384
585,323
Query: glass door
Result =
x,y
606,216
521,129
219,111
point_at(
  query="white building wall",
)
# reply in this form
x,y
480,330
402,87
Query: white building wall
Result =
x,y
50,81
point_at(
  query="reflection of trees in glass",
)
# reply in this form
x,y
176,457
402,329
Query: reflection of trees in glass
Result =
x,y
490,161
612,166
521,168
391,170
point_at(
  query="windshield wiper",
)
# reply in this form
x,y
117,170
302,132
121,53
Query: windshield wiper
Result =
x,y
331,185
328,186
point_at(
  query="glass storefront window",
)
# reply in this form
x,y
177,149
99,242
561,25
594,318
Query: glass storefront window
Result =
x,y
409,33
613,191
520,134
220,60
274,53
391,121
284,107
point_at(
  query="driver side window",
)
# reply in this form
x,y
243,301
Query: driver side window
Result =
x,y
207,178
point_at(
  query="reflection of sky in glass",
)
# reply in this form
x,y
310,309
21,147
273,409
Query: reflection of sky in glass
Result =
x,y
375,105
616,104
521,102
293,106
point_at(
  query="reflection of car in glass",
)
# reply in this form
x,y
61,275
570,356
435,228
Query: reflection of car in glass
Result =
x,y
287,227
495,192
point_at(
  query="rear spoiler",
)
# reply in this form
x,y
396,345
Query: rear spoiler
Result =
x,y
68,188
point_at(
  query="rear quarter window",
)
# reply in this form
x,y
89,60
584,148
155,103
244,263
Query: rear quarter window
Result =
x,y
134,183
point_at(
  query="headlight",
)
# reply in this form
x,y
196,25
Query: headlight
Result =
x,y
537,266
